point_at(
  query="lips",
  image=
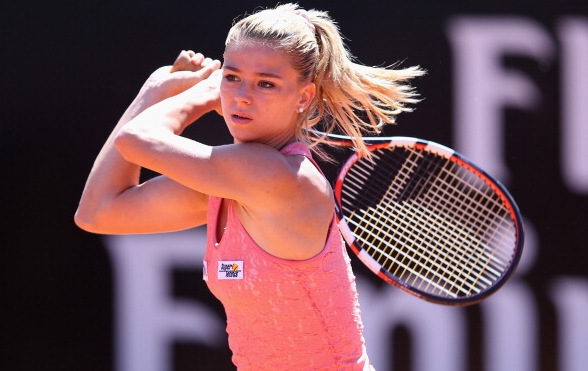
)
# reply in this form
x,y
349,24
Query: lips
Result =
x,y
241,118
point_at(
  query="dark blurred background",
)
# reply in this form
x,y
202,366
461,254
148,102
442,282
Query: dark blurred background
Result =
x,y
506,85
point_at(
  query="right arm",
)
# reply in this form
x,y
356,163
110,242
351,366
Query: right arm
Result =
x,y
113,201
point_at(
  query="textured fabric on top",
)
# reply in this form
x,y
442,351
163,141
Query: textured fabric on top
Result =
x,y
285,314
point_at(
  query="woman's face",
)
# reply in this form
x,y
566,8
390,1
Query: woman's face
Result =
x,y
261,94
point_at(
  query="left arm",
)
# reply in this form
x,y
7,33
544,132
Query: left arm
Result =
x,y
248,173
113,201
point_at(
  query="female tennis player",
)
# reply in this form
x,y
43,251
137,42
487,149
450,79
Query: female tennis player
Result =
x,y
274,255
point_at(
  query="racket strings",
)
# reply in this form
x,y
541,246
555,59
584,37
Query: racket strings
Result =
x,y
445,260
489,219
405,257
379,228
464,270
407,262
412,243
493,223
477,200
397,234
483,206
478,265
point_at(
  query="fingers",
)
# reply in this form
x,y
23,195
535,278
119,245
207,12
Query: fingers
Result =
x,y
183,79
188,60
181,62
207,67
188,69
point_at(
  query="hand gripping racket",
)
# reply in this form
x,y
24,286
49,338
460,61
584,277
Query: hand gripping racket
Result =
x,y
425,219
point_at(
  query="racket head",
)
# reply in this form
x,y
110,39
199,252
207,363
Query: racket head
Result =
x,y
429,221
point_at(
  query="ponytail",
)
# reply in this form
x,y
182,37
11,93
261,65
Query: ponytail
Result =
x,y
351,98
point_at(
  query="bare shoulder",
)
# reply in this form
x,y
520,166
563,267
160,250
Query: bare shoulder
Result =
x,y
284,179
255,172
292,217
309,178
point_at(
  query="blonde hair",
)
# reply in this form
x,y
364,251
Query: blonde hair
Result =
x,y
351,98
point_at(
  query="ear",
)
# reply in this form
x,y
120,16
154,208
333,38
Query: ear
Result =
x,y
307,94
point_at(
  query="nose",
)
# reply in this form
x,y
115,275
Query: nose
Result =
x,y
243,94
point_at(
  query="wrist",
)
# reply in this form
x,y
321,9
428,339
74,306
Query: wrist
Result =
x,y
151,93
206,96
200,99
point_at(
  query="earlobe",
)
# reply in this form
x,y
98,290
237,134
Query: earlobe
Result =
x,y
308,93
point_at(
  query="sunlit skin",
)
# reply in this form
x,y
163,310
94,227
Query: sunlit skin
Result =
x,y
263,191
261,94
261,98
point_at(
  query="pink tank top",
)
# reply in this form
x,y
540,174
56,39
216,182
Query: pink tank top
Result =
x,y
285,314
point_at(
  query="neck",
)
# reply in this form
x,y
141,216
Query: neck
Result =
x,y
274,142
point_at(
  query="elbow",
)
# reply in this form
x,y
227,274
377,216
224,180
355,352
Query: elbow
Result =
x,y
91,216
125,141
84,221
135,144
90,225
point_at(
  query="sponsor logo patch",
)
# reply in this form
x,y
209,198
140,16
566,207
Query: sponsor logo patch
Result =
x,y
230,270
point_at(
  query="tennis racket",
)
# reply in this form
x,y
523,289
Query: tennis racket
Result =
x,y
427,220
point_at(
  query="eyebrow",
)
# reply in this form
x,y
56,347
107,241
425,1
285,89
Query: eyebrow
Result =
x,y
262,74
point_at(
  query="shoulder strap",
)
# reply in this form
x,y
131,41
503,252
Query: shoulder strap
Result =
x,y
299,148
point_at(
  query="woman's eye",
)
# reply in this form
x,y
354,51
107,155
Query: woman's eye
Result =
x,y
231,78
266,84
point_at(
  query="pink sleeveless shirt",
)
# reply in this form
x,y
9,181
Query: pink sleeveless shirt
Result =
x,y
285,314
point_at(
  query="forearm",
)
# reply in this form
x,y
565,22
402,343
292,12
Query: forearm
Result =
x,y
111,173
153,131
112,186
175,113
